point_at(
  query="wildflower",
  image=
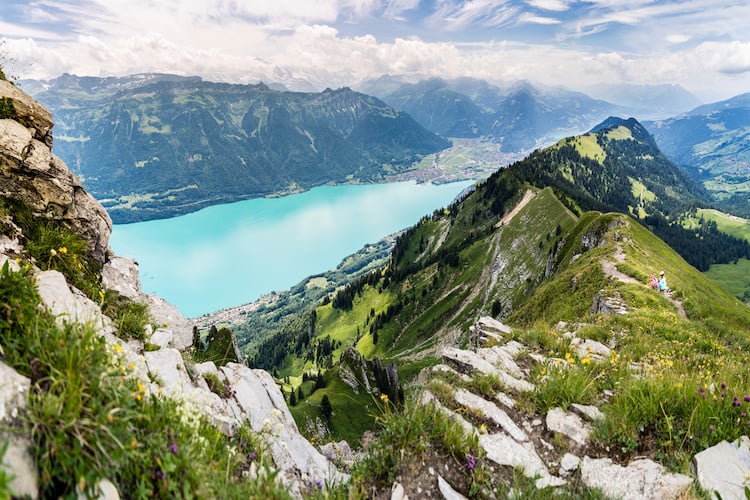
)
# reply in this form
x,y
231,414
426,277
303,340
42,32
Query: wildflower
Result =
x,y
161,474
483,429
586,360
118,348
384,397
133,443
746,399
723,385
63,250
470,462
53,252
252,456
131,365
173,448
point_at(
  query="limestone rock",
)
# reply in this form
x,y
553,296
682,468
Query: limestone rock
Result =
x,y
591,349
569,424
504,450
121,275
398,493
18,462
29,172
490,411
641,480
724,469
447,490
468,362
491,325
29,112
13,392
161,337
258,397
569,464
168,316
428,398
501,359
167,366
69,306
589,412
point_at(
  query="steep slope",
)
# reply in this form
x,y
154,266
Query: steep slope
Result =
x,y
154,146
518,117
102,393
712,143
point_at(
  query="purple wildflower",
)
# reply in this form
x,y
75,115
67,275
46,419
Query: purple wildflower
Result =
x,y
746,399
329,457
723,385
470,462
252,456
173,448
160,474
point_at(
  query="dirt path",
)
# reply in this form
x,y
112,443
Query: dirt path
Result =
x,y
610,269
527,197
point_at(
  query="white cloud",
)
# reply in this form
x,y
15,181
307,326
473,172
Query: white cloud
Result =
x,y
555,5
532,19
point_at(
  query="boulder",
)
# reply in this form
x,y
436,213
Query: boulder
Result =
x,y
641,480
168,316
724,469
121,275
504,450
69,306
568,424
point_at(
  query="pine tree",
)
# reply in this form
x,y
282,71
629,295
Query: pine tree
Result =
x,y
326,410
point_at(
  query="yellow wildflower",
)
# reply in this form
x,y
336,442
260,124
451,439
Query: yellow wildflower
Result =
x,y
118,348
63,250
483,429
384,397
586,360
133,443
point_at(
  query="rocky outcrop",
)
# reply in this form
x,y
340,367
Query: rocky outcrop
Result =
x,y
512,439
30,173
724,469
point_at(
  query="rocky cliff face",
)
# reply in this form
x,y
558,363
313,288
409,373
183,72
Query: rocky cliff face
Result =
x,y
30,174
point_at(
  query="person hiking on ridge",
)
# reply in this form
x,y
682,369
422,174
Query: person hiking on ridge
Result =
x,y
663,283
653,282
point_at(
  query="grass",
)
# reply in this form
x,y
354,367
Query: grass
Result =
x,y
91,419
677,384
735,278
417,428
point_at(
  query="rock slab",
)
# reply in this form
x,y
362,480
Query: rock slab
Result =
x,y
724,469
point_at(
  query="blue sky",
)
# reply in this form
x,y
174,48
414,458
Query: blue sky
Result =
x,y
703,45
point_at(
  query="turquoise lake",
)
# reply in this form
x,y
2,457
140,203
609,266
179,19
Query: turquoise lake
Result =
x,y
232,254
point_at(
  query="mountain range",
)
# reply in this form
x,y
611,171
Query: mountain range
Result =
x,y
712,142
518,117
154,146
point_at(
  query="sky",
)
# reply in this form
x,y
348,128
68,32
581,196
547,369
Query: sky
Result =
x,y
703,45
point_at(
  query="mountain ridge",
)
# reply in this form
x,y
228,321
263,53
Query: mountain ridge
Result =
x,y
154,146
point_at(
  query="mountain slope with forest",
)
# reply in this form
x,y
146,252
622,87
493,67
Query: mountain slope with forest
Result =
x,y
490,253
712,142
154,146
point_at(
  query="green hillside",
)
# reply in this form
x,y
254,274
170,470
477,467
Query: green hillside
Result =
x,y
533,255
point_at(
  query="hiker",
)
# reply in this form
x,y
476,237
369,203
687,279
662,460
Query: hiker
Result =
x,y
663,283
653,282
